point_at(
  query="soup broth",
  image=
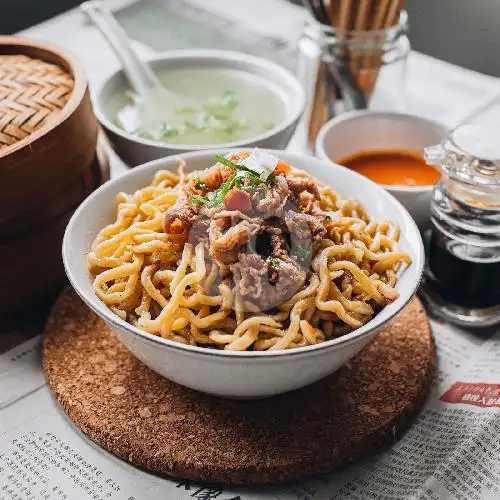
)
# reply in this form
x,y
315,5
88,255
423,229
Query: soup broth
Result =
x,y
393,167
233,105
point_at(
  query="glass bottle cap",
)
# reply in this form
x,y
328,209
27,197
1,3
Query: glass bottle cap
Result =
x,y
470,155
469,160
478,141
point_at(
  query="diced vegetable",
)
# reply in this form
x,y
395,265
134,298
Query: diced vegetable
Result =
x,y
239,156
282,168
243,177
237,200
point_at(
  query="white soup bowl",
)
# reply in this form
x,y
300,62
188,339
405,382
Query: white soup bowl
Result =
x,y
366,130
135,150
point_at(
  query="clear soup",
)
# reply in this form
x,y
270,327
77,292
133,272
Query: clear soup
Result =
x,y
231,105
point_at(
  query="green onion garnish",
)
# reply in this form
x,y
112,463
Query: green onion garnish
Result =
x,y
228,163
254,177
199,200
302,254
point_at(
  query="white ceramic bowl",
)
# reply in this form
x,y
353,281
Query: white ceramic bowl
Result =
x,y
135,150
226,373
370,130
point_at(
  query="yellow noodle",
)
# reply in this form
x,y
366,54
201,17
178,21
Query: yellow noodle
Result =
x,y
165,286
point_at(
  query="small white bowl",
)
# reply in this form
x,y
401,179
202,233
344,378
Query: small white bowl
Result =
x,y
357,131
227,373
135,150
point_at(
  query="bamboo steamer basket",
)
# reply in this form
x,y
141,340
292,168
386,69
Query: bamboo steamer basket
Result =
x,y
49,162
52,127
33,271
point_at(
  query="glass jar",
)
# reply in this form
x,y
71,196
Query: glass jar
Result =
x,y
346,70
462,277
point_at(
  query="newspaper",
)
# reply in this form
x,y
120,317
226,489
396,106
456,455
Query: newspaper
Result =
x,y
452,450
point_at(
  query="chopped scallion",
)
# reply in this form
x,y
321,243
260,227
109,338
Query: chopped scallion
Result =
x,y
302,254
199,200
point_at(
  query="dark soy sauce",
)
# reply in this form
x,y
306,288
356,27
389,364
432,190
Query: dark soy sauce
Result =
x,y
463,274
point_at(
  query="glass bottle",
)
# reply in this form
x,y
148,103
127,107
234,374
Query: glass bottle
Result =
x,y
462,278
344,70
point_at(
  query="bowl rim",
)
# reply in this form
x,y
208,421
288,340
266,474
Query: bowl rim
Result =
x,y
103,311
74,68
362,113
209,54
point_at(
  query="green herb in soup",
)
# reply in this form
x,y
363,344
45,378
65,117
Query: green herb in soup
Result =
x,y
225,114
215,118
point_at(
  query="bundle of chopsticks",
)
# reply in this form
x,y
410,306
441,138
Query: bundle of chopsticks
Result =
x,y
352,21
359,15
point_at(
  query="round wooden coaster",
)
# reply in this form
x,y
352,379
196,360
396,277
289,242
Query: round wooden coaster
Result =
x,y
158,425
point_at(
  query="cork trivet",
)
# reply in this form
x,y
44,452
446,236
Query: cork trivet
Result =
x,y
158,425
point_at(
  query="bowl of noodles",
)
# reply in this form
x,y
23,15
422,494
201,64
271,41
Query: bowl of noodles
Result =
x,y
243,274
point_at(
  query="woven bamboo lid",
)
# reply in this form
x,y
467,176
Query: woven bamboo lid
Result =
x,y
32,92
48,131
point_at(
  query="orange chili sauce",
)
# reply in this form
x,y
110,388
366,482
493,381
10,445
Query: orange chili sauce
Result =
x,y
393,167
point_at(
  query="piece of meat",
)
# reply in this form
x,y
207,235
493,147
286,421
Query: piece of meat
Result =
x,y
250,273
179,220
213,179
199,230
304,192
237,215
267,283
270,240
270,201
280,246
277,232
237,199
290,278
227,241
299,184
306,202
305,230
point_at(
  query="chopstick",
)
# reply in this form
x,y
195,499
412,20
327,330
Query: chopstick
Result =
x,y
362,19
345,14
360,15
381,15
393,14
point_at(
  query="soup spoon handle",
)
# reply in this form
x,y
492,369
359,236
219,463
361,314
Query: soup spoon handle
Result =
x,y
139,74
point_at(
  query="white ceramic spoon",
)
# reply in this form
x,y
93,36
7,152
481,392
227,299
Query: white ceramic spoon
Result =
x,y
156,103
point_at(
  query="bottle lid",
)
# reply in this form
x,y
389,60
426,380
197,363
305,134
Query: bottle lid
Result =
x,y
478,141
469,160
471,154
